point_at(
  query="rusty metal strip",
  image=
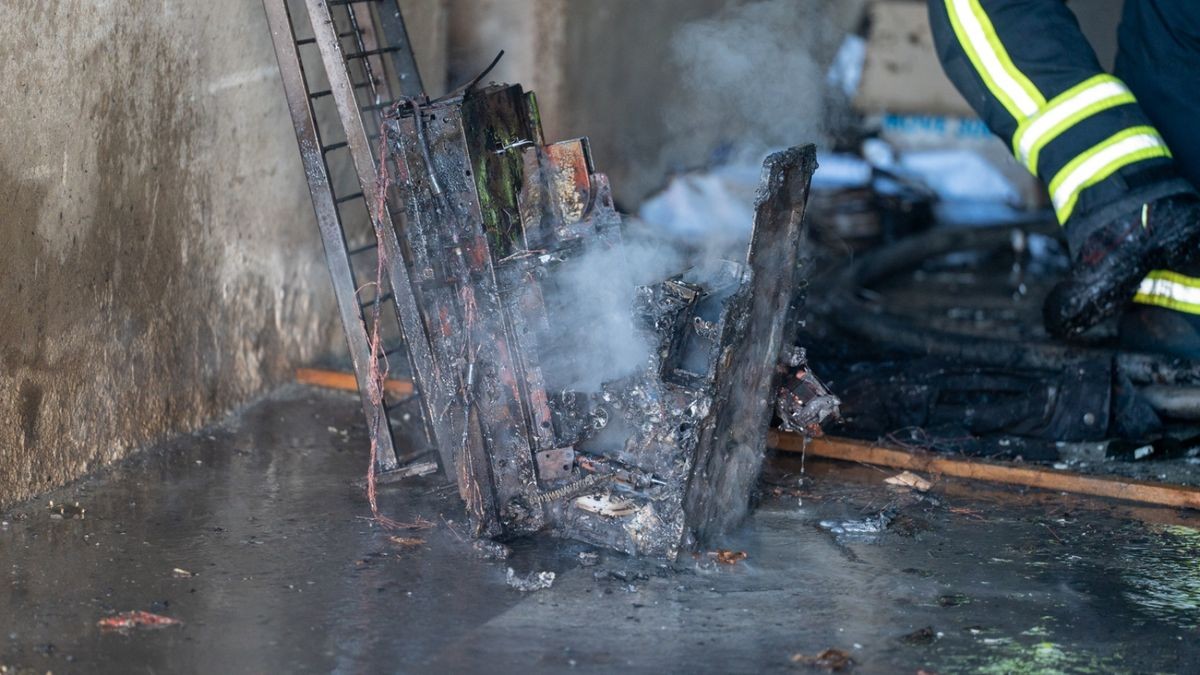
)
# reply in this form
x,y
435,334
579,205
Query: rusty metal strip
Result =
x,y
391,21
333,379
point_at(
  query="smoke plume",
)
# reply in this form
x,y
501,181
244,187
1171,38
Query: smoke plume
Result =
x,y
591,299
754,74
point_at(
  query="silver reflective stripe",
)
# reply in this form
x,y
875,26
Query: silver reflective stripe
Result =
x,y
1170,290
1063,113
1100,162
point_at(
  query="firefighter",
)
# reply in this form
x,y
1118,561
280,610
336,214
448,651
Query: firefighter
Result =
x,y
1120,153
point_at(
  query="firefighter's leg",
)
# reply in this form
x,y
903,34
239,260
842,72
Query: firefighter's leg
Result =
x,y
1159,58
1026,68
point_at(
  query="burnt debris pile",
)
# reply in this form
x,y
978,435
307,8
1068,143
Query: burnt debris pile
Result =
x,y
571,379
578,384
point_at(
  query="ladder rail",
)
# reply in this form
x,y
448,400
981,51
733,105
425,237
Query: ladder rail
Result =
x,y
434,393
368,45
364,40
329,221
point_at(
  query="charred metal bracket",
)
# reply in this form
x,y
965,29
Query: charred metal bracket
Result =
x,y
804,404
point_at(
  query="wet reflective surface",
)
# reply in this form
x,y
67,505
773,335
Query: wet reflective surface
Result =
x,y
264,512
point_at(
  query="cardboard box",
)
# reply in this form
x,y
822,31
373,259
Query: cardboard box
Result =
x,y
901,73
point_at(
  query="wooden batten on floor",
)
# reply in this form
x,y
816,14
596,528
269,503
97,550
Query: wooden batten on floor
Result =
x,y
1177,496
333,379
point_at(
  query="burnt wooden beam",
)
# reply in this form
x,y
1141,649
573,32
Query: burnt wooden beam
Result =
x,y
1125,489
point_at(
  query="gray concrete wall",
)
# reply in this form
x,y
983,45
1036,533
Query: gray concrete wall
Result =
x,y
659,85
159,264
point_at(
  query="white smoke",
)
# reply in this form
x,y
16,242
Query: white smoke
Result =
x,y
754,78
590,299
755,74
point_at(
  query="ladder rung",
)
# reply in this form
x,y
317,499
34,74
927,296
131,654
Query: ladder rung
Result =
x,y
382,299
394,350
377,106
327,92
312,40
338,146
347,198
373,52
363,249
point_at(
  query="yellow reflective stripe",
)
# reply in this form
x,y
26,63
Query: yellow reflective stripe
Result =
x,y
1171,290
1101,161
978,38
1031,92
1065,111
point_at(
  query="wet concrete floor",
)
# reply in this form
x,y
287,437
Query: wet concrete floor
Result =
x,y
286,576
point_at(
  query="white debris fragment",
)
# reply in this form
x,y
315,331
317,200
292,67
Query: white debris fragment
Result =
x,y
534,581
606,505
910,480
416,469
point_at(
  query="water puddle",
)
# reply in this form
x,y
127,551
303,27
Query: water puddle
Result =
x,y
1162,574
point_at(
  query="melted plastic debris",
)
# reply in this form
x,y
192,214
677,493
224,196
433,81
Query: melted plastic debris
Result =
x,y
727,557
66,511
490,549
137,619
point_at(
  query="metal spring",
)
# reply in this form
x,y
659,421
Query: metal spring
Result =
x,y
568,490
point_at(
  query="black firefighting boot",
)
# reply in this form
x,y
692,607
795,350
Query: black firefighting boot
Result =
x,y
1110,263
1165,315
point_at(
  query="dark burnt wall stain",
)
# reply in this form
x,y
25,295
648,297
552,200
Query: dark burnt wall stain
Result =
x,y
120,332
31,406
123,262
20,328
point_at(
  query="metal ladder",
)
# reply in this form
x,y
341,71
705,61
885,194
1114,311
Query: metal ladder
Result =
x,y
343,63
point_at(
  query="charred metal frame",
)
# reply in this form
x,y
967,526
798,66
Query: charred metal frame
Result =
x,y
653,462
473,215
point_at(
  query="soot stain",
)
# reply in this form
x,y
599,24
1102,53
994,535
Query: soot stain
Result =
x,y
30,410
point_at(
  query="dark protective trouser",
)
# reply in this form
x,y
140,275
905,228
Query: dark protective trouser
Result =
x,y
1026,68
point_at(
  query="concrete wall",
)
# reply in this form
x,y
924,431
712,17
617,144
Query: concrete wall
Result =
x,y
659,86
428,28
159,263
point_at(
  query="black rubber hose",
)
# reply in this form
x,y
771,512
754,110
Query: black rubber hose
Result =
x,y
851,314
